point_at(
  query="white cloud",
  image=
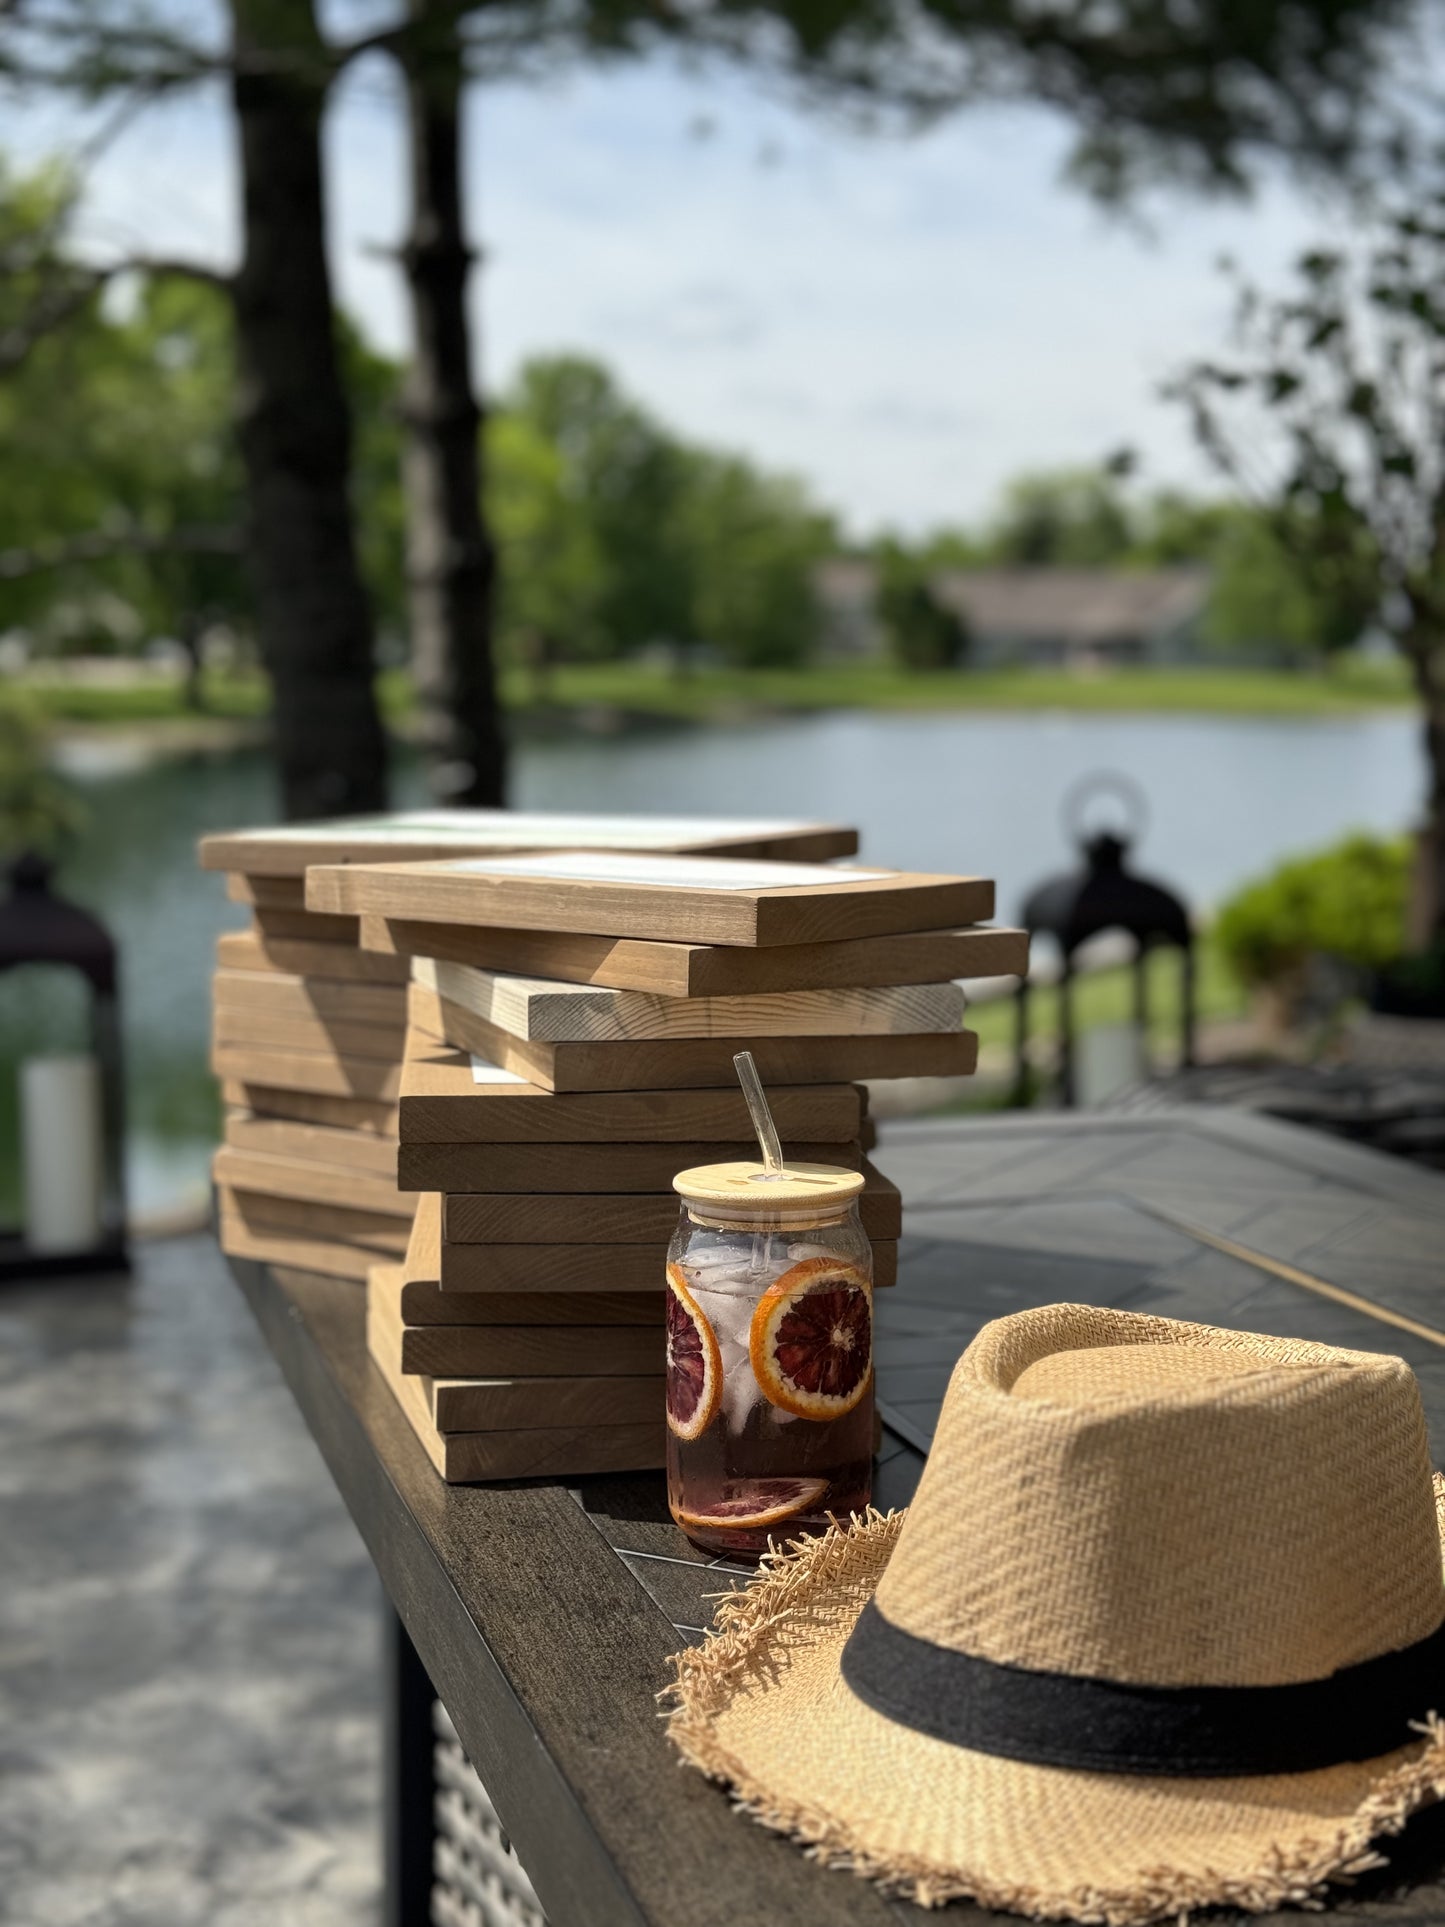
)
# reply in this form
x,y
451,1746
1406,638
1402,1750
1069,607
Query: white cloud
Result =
x,y
906,323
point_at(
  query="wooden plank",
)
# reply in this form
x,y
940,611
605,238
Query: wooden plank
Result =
x,y
648,1218
537,1009
267,893
707,970
315,1144
442,1103
691,1063
382,1232
538,1452
498,1402
588,1267
274,994
324,1035
294,957
299,1070
676,899
288,850
304,926
425,1303
532,1351
362,1116
273,1246
582,1167
282,1177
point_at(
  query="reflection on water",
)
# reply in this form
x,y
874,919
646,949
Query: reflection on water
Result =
x,y
1226,796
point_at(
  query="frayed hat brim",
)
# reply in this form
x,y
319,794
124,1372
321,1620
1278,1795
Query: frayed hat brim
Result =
x,y
762,1707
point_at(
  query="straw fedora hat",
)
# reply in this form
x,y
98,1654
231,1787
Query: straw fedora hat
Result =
x,y
1162,1629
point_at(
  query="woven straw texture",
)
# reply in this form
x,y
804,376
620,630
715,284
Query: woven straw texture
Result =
x,y
1121,1497
1138,1499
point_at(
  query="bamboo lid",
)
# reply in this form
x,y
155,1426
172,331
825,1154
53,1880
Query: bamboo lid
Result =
x,y
750,1187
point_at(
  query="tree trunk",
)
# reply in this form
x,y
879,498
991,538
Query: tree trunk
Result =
x,y
451,565
295,427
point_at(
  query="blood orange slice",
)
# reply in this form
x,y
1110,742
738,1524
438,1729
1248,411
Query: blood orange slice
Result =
x,y
811,1339
694,1365
756,1502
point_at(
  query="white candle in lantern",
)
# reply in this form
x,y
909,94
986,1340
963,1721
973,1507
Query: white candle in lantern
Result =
x,y
60,1135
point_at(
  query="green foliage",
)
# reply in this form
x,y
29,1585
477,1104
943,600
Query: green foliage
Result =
x,y
1347,902
1065,518
922,633
37,811
614,535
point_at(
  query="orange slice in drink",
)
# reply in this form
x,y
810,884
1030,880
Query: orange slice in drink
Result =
x,y
811,1339
756,1502
694,1364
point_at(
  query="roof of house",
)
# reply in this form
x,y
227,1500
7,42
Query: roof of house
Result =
x,y
1073,605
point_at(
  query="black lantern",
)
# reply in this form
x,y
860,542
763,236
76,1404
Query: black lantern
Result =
x,y
1105,894
39,927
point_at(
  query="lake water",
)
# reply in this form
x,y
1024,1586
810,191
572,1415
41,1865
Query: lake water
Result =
x,y
1227,797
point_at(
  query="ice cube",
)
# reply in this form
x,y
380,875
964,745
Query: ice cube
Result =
x,y
707,1258
799,1252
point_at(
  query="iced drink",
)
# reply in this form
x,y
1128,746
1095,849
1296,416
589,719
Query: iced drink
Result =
x,y
769,1355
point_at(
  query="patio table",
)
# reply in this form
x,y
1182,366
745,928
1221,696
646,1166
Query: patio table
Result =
x,y
540,1615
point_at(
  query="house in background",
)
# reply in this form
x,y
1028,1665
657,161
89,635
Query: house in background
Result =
x,y
1077,618
1074,618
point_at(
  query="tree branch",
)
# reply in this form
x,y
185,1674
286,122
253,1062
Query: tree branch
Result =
x,y
99,545
55,306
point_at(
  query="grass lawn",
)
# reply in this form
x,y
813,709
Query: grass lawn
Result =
x,y
1107,997
1224,691
721,694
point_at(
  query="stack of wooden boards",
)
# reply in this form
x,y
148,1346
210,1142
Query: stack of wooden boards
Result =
x,y
573,1018
308,1028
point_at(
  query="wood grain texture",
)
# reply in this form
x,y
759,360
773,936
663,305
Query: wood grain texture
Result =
x,y
440,1103
304,926
535,1452
532,1351
295,957
289,1177
267,893
646,1218
298,1070
693,1063
382,1232
497,1402
581,1167
493,1582
828,909
342,1151
707,970
332,1257
423,1303
536,1009
410,836
363,1116
256,1029
579,1267
272,994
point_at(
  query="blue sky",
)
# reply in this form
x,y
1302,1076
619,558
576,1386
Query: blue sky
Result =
x,y
905,323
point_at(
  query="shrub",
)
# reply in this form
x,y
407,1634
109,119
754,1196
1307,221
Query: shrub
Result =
x,y
37,810
1347,902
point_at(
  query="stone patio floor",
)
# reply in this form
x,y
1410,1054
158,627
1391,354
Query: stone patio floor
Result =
x,y
189,1625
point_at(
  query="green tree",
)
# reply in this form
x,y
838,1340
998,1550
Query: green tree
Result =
x,y
1063,518
752,542
922,632
1328,414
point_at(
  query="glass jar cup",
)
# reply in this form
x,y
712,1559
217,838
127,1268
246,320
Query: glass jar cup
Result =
x,y
769,1354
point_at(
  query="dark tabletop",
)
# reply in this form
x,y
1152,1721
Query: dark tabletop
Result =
x,y
545,1615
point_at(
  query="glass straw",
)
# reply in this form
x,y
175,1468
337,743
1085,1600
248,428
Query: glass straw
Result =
x,y
762,1117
